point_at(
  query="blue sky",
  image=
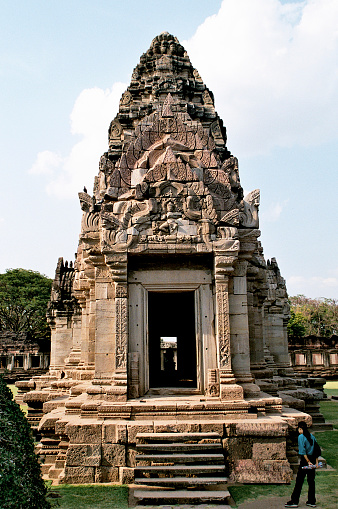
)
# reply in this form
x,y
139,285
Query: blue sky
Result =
x,y
272,65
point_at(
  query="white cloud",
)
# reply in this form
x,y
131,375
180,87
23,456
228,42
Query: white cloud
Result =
x,y
92,113
46,163
274,211
316,286
274,70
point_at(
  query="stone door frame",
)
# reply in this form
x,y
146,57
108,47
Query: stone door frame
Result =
x,y
178,280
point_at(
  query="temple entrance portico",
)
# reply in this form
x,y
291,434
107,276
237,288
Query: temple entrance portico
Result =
x,y
171,335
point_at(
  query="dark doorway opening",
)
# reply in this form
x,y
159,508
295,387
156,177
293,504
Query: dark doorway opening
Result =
x,y
35,361
172,340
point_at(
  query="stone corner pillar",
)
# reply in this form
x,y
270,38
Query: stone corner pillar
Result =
x,y
118,266
239,325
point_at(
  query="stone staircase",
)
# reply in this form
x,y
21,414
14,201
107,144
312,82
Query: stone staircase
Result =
x,y
180,468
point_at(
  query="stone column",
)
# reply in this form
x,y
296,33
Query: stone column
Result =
x,y
239,326
257,292
118,266
61,341
85,368
276,316
227,382
10,365
74,357
276,338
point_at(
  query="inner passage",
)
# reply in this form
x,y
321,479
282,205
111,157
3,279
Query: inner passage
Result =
x,y
172,340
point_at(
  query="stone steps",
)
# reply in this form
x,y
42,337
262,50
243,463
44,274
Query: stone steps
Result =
x,y
185,468
168,447
178,437
180,469
180,496
189,506
45,468
54,473
182,481
323,426
181,458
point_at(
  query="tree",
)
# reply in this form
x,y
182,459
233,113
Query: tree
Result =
x,y
21,484
24,295
319,317
296,327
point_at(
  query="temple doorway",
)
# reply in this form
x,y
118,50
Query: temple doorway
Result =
x,y
172,340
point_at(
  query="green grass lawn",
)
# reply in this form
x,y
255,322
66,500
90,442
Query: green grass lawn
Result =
x,y
91,496
331,388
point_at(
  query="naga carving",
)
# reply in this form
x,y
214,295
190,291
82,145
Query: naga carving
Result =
x,y
249,215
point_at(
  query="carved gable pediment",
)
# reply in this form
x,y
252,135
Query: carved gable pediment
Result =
x,y
167,173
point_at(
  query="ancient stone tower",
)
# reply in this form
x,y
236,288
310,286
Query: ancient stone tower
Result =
x,y
170,318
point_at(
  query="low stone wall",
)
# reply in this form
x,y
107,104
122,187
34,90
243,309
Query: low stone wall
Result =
x,y
315,356
21,358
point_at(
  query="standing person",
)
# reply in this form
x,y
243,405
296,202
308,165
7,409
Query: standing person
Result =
x,y
306,443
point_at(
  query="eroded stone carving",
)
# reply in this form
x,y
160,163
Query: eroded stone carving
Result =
x,y
249,215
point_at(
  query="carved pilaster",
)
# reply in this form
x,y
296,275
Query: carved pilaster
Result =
x,y
227,383
121,337
223,324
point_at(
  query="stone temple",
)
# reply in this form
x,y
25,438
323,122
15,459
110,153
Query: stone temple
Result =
x,y
170,326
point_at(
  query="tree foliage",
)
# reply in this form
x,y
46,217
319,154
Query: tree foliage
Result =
x,y
21,484
313,317
24,295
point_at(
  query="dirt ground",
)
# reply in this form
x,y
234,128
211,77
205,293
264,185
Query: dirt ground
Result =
x,y
269,503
